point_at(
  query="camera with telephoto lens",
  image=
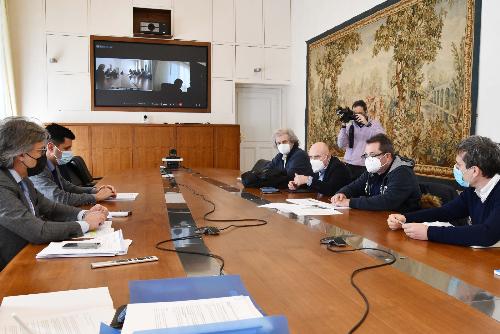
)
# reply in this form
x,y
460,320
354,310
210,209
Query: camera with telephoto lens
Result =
x,y
346,114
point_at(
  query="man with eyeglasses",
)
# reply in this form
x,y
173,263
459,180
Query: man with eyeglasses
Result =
x,y
26,216
330,174
388,184
477,169
50,181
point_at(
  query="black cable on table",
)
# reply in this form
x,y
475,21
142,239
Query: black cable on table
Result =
x,y
205,216
357,271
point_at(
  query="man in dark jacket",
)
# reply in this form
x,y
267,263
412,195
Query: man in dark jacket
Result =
x,y
330,174
477,169
291,159
389,184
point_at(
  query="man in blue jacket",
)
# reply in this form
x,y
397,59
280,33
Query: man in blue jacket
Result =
x,y
290,160
477,169
388,184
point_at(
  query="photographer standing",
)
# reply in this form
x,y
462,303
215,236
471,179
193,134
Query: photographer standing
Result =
x,y
353,136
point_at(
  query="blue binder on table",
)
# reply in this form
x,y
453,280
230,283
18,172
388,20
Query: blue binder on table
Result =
x,y
190,288
203,287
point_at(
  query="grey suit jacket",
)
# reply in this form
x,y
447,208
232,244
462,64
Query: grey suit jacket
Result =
x,y
18,225
70,194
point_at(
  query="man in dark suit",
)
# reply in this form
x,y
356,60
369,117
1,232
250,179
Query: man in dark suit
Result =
x,y
330,174
26,216
291,159
50,181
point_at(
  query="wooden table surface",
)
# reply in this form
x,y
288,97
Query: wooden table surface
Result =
x,y
282,264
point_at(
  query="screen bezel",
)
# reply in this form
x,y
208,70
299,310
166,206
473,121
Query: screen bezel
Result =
x,y
94,38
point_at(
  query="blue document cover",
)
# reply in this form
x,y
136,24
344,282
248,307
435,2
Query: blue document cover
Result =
x,y
105,329
187,288
265,325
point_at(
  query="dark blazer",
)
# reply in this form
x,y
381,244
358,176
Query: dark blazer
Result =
x,y
18,225
297,161
399,190
336,176
70,194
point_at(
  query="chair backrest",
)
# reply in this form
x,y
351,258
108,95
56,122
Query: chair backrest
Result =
x,y
69,172
259,165
80,168
445,192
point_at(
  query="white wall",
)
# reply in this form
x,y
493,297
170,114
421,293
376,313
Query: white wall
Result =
x,y
313,17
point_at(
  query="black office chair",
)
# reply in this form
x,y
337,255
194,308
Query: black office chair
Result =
x,y
79,167
68,172
444,192
259,165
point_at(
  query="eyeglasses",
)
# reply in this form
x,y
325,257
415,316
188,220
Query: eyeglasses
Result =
x,y
366,155
43,150
286,141
315,157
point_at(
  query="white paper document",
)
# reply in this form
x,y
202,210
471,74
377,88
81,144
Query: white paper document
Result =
x,y
184,313
123,197
173,197
104,229
438,224
315,202
304,207
118,214
64,312
111,244
166,176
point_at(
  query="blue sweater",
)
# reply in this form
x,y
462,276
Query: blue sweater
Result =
x,y
485,218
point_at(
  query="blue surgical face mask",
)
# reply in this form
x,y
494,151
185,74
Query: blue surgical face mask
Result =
x,y
66,157
459,177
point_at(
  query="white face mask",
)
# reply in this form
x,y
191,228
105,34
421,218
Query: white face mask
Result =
x,y
284,148
373,164
317,165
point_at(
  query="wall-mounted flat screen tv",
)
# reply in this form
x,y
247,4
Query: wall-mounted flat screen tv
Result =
x,y
140,74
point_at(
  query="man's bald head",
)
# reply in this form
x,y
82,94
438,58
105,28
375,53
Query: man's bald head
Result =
x,y
318,149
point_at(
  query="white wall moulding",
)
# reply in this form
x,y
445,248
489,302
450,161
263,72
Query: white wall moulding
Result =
x,y
192,20
67,53
66,16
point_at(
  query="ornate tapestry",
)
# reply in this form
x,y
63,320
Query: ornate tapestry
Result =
x,y
414,62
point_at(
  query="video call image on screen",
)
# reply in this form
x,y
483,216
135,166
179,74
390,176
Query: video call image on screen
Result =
x,y
150,75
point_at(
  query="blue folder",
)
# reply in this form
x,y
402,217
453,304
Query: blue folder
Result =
x,y
265,325
187,288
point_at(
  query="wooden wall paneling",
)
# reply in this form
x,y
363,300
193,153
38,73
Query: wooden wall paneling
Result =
x,y
151,143
111,148
195,144
82,144
227,147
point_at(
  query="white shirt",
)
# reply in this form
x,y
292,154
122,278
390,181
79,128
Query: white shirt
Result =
x,y
486,190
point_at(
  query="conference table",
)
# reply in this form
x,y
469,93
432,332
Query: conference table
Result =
x,y
431,287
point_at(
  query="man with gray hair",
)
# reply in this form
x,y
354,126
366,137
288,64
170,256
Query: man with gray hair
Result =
x,y
290,159
477,169
26,216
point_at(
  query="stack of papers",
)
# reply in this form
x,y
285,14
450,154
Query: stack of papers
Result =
x,y
104,229
123,197
304,207
64,312
112,244
184,313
